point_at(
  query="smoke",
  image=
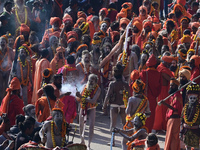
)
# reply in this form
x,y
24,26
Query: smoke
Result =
x,y
72,87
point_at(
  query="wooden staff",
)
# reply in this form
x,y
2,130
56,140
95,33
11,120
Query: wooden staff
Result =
x,y
159,103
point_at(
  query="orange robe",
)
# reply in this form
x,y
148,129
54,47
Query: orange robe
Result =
x,y
40,65
56,64
160,115
155,147
42,109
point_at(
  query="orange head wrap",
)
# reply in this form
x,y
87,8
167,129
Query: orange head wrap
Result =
x,y
147,23
120,14
124,21
186,73
173,80
81,46
71,40
153,33
138,25
168,59
190,50
49,73
152,61
79,21
66,18
186,39
71,34
182,53
179,7
105,10
81,14
186,19
6,37
14,85
24,28
55,19
138,86
128,4
135,75
196,59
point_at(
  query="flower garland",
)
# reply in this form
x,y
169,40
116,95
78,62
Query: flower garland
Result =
x,y
63,132
17,16
143,104
196,115
125,59
125,97
24,81
174,35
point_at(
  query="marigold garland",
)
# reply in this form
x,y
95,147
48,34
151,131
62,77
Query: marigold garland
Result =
x,y
24,81
125,60
174,35
63,132
125,97
196,115
17,16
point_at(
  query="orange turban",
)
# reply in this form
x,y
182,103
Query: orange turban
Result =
x,y
186,73
135,75
81,14
50,72
124,21
179,7
14,85
138,86
71,40
196,59
153,33
128,4
78,21
147,23
105,10
81,46
186,39
24,28
138,25
55,19
60,49
121,14
72,33
66,18
168,59
195,24
152,61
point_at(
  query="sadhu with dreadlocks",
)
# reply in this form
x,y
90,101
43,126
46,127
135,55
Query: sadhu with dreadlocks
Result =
x,y
138,103
137,135
190,120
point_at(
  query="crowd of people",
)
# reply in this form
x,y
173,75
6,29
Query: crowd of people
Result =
x,y
139,59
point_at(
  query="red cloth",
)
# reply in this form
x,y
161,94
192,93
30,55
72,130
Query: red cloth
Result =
x,y
153,90
160,119
69,108
24,28
152,61
105,10
175,101
112,13
92,30
15,108
194,73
